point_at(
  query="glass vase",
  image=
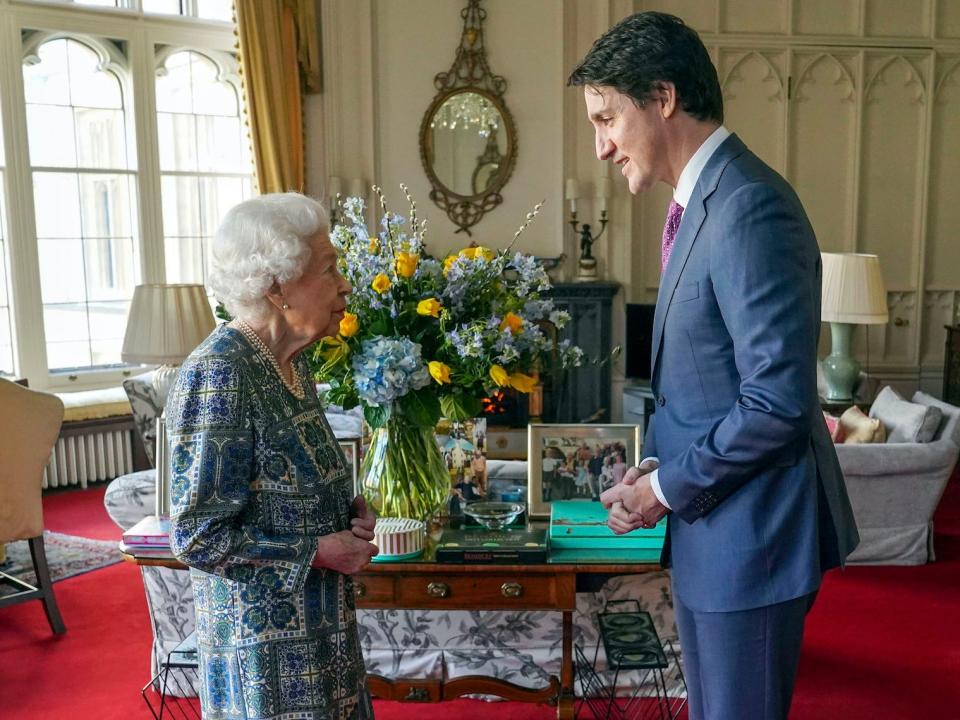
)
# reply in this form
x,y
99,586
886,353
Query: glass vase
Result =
x,y
404,474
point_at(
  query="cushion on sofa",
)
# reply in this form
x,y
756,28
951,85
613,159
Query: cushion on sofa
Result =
x,y
836,430
950,424
906,422
858,428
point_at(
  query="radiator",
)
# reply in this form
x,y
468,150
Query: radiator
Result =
x,y
89,457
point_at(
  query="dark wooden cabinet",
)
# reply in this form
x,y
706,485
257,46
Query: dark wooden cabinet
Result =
x,y
584,394
951,366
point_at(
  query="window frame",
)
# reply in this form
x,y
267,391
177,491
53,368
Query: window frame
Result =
x,y
145,39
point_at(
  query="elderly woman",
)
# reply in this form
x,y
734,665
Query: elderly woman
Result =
x,y
262,504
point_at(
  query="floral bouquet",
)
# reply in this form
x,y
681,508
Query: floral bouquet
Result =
x,y
423,338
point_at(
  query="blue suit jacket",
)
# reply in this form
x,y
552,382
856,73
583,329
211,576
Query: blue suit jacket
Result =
x,y
760,509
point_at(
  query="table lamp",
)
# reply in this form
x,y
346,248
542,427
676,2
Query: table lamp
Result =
x,y
852,294
165,324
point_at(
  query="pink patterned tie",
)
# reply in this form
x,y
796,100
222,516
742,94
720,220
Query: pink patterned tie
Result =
x,y
670,228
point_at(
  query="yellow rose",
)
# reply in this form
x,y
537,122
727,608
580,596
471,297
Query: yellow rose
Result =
x,y
439,372
381,283
407,264
478,252
512,321
349,325
430,306
500,376
374,246
523,383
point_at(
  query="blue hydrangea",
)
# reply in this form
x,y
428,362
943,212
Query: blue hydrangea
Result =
x,y
388,368
353,209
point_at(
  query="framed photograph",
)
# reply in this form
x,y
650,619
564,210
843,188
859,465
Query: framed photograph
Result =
x,y
464,449
577,462
351,451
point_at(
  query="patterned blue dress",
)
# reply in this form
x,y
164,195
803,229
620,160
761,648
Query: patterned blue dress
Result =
x,y
257,476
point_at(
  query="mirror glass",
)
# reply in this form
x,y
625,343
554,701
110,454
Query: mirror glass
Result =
x,y
469,142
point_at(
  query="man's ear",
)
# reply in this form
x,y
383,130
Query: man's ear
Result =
x,y
667,98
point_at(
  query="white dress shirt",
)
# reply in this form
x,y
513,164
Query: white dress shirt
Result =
x,y
681,195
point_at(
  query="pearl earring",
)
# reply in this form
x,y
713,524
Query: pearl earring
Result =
x,y
286,307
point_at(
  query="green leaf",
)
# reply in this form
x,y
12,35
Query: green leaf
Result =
x,y
375,416
380,326
343,395
460,407
420,407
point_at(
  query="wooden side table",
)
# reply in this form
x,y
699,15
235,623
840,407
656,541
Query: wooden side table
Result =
x,y
429,585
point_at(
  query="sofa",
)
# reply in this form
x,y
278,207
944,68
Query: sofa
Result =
x,y
522,647
895,486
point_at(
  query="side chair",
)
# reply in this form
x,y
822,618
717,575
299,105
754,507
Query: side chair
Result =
x,y
29,426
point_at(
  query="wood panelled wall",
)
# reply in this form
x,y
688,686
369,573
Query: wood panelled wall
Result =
x,y
857,104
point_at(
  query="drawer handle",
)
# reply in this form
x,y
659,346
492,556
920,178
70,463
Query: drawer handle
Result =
x,y
417,694
359,589
438,590
511,589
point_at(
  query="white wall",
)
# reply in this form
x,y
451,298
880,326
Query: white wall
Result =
x,y
381,57
411,42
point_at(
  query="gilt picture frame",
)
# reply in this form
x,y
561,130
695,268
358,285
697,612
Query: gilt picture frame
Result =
x,y
577,462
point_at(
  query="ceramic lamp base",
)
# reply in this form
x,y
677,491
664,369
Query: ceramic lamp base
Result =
x,y
840,369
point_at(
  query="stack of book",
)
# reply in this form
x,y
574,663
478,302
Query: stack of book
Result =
x,y
150,536
579,532
507,546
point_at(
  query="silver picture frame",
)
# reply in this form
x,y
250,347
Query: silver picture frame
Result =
x,y
576,462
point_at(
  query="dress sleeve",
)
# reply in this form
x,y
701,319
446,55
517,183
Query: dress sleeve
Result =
x,y
214,516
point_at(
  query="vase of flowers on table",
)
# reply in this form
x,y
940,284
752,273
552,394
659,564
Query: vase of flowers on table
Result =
x,y
424,338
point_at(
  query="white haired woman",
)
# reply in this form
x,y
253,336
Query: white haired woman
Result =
x,y
262,504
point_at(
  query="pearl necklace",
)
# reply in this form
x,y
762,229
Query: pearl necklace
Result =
x,y
295,386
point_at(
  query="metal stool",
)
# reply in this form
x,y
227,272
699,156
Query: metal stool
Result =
x,y
180,706
630,642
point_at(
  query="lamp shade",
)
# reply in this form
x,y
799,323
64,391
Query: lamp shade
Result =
x,y
166,322
853,291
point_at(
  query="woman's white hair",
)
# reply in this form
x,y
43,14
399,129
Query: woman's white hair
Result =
x,y
261,241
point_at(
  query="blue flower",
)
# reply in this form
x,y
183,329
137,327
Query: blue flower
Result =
x,y
388,368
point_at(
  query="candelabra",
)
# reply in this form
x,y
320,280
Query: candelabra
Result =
x,y
587,263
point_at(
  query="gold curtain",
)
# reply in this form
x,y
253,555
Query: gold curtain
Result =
x,y
279,55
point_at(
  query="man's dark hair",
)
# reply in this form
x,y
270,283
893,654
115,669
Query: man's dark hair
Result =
x,y
649,48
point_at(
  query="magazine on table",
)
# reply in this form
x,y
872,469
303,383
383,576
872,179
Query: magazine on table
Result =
x,y
151,531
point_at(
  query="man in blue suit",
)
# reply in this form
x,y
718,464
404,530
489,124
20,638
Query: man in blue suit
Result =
x,y
737,453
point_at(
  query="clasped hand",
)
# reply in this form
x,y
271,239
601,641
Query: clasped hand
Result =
x,y
632,504
349,551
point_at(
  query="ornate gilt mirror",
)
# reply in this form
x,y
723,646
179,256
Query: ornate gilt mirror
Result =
x,y
468,142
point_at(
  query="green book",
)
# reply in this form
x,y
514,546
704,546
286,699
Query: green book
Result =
x,y
493,546
582,524
561,555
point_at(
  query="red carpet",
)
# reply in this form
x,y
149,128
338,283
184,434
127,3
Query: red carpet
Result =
x,y
881,643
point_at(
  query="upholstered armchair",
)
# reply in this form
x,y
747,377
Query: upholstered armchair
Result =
x,y
128,499
895,487
29,425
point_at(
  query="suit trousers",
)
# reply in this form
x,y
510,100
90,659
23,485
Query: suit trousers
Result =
x,y
741,665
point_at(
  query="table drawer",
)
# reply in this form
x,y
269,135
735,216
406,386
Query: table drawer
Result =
x,y
484,592
373,589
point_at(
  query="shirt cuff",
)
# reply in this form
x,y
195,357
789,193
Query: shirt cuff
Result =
x,y
655,484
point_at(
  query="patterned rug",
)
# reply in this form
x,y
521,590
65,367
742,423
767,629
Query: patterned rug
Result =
x,y
67,555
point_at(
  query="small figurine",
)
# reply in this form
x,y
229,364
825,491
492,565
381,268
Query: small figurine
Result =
x,y
587,265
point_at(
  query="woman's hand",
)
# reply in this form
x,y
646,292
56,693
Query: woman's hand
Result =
x,y
362,519
344,552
